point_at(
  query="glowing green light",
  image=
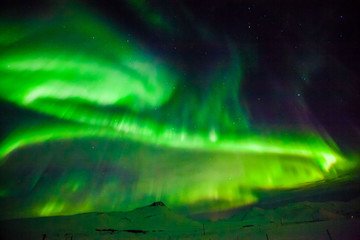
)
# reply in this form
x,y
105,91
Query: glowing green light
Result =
x,y
51,208
97,84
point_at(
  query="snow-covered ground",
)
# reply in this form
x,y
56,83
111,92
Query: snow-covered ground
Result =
x,y
304,220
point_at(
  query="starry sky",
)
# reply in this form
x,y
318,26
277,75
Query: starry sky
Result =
x,y
202,105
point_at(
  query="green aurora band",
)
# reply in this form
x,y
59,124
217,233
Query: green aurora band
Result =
x,y
85,71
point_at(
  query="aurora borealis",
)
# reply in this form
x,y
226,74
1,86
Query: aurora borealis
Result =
x,y
113,120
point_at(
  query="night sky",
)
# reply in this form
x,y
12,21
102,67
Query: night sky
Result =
x,y
108,106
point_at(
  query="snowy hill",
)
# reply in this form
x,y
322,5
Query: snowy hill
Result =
x,y
302,212
155,218
302,220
